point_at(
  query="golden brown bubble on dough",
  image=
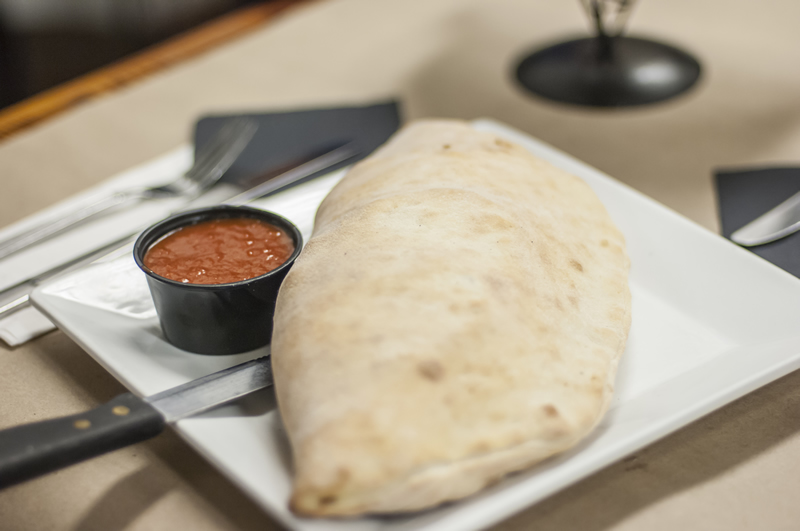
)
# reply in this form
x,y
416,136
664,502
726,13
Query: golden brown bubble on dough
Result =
x,y
550,410
431,370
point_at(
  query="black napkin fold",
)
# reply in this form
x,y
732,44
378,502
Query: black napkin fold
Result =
x,y
286,138
743,195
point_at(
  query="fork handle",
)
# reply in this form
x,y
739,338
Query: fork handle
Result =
x,y
51,227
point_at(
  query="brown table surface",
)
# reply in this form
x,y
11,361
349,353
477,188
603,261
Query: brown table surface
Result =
x,y
738,468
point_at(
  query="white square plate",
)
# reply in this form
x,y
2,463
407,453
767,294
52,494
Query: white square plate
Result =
x,y
711,322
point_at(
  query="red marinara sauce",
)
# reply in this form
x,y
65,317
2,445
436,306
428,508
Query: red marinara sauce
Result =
x,y
220,251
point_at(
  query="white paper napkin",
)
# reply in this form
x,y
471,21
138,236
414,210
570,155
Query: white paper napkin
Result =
x,y
29,323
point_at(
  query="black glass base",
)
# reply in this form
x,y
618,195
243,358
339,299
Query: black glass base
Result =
x,y
608,72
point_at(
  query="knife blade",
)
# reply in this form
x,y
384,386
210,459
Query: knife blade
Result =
x,y
778,223
16,297
31,450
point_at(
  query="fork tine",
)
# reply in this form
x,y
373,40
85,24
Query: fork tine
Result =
x,y
226,146
220,139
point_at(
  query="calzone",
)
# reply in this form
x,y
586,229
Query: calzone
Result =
x,y
457,314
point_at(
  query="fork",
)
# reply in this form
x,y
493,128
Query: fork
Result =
x,y
217,157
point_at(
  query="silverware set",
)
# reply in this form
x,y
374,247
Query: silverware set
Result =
x,y
220,154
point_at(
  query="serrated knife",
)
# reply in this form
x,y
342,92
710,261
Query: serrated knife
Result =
x,y
778,223
31,450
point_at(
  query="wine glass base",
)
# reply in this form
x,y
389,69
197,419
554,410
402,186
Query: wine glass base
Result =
x,y
608,72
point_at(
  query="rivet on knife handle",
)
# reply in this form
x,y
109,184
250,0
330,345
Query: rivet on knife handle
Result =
x,y
35,449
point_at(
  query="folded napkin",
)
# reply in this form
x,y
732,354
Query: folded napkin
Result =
x,y
744,195
29,323
283,139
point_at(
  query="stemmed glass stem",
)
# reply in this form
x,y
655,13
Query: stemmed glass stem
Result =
x,y
609,16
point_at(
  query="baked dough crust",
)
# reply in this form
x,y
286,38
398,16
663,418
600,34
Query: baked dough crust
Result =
x,y
458,314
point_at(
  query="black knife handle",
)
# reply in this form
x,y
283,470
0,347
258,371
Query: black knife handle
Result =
x,y
34,449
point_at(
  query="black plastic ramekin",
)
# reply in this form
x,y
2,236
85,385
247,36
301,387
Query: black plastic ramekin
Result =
x,y
216,318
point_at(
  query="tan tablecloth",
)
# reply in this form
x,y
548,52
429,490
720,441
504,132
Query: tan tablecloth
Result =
x,y
736,469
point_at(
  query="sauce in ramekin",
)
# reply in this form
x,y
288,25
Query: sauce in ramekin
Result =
x,y
220,251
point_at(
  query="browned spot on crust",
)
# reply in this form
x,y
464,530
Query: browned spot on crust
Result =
x,y
492,223
603,243
494,283
573,300
431,369
446,146
502,143
481,447
550,410
577,265
327,500
492,480
544,257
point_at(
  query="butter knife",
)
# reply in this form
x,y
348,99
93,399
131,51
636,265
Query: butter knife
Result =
x,y
17,297
35,449
778,223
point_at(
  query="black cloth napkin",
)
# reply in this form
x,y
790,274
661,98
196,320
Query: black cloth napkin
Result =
x,y
743,195
284,139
